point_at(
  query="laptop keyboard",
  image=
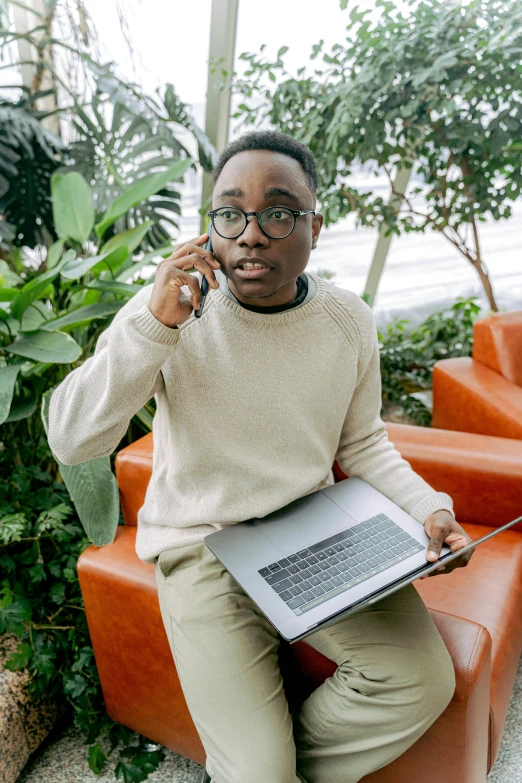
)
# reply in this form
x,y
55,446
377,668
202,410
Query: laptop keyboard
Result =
x,y
311,576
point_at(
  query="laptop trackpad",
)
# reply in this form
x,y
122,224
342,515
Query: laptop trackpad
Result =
x,y
306,521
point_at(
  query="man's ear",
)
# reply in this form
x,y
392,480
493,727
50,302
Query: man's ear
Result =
x,y
317,224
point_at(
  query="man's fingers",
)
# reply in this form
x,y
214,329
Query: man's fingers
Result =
x,y
438,533
193,284
192,247
445,531
195,261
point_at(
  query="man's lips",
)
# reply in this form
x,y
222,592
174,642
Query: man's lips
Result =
x,y
252,274
251,260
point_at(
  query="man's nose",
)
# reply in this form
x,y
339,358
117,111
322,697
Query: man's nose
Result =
x,y
252,235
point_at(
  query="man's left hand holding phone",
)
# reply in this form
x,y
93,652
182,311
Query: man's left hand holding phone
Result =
x,y
167,302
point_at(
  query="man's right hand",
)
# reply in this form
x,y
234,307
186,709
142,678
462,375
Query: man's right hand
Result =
x,y
167,302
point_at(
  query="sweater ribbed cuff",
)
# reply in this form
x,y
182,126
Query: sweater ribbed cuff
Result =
x,y
149,326
438,501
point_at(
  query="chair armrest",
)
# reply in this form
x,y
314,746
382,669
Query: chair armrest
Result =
x,y
456,746
470,397
482,474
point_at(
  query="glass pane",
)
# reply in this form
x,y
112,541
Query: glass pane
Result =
x,y
229,222
278,222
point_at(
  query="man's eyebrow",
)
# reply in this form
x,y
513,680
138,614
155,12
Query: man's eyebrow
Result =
x,y
269,193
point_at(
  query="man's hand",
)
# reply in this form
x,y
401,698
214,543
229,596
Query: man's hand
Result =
x,y
442,528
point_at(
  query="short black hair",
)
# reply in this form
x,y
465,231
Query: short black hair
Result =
x,y
273,140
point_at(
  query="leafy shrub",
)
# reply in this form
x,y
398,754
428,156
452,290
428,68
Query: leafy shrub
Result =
x,y
41,539
407,359
29,154
52,320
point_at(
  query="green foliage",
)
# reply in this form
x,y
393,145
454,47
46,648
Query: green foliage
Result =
x,y
120,137
139,192
435,85
139,764
407,359
93,488
73,209
50,320
40,601
125,140
29,153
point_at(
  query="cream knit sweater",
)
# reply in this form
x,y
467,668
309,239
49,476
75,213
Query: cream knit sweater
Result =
x,y
252,410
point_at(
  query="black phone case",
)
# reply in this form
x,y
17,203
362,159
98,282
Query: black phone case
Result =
x,y
204,281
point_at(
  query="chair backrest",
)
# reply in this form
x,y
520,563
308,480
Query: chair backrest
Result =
x,y
133,471
497,343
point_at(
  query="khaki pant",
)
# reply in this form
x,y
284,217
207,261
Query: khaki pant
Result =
x,y
394,678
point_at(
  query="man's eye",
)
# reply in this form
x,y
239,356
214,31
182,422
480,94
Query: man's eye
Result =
x,y
279,215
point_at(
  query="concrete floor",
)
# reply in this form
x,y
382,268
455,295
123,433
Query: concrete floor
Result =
x,y
63,758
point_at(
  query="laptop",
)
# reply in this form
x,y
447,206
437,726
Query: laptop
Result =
x,y
327,555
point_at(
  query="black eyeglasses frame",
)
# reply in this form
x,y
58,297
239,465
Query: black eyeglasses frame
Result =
x,y
295,212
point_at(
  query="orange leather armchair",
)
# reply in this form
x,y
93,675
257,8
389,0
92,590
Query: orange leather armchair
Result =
x,y
477,609
483,393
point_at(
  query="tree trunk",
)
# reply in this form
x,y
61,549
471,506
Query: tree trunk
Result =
x,y
481,269
477,262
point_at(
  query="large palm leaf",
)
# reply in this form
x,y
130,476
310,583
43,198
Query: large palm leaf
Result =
x,y
29,154
125,136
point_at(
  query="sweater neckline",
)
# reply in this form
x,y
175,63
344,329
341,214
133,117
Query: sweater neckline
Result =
x,y
315,304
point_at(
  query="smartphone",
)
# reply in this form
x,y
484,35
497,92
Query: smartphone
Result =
x,y
204,281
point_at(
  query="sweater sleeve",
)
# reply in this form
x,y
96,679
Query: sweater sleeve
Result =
x,y
91,408
364,449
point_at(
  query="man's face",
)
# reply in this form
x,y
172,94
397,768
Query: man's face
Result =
x,y
244,182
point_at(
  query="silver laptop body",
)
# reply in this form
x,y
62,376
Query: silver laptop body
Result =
x,y
325,555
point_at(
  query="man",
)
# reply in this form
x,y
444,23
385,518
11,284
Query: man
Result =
x,y
255,400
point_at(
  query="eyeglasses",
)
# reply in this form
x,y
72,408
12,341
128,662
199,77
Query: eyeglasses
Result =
x,y
274,222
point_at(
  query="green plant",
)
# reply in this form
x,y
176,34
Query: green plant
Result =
x,y
432,84
119,135
407,359
40,541
51,319
29,154
125,136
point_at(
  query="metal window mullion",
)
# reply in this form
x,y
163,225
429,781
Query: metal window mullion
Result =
x,y
223,28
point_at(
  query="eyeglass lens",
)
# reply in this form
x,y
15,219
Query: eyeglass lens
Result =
x,y
230,222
